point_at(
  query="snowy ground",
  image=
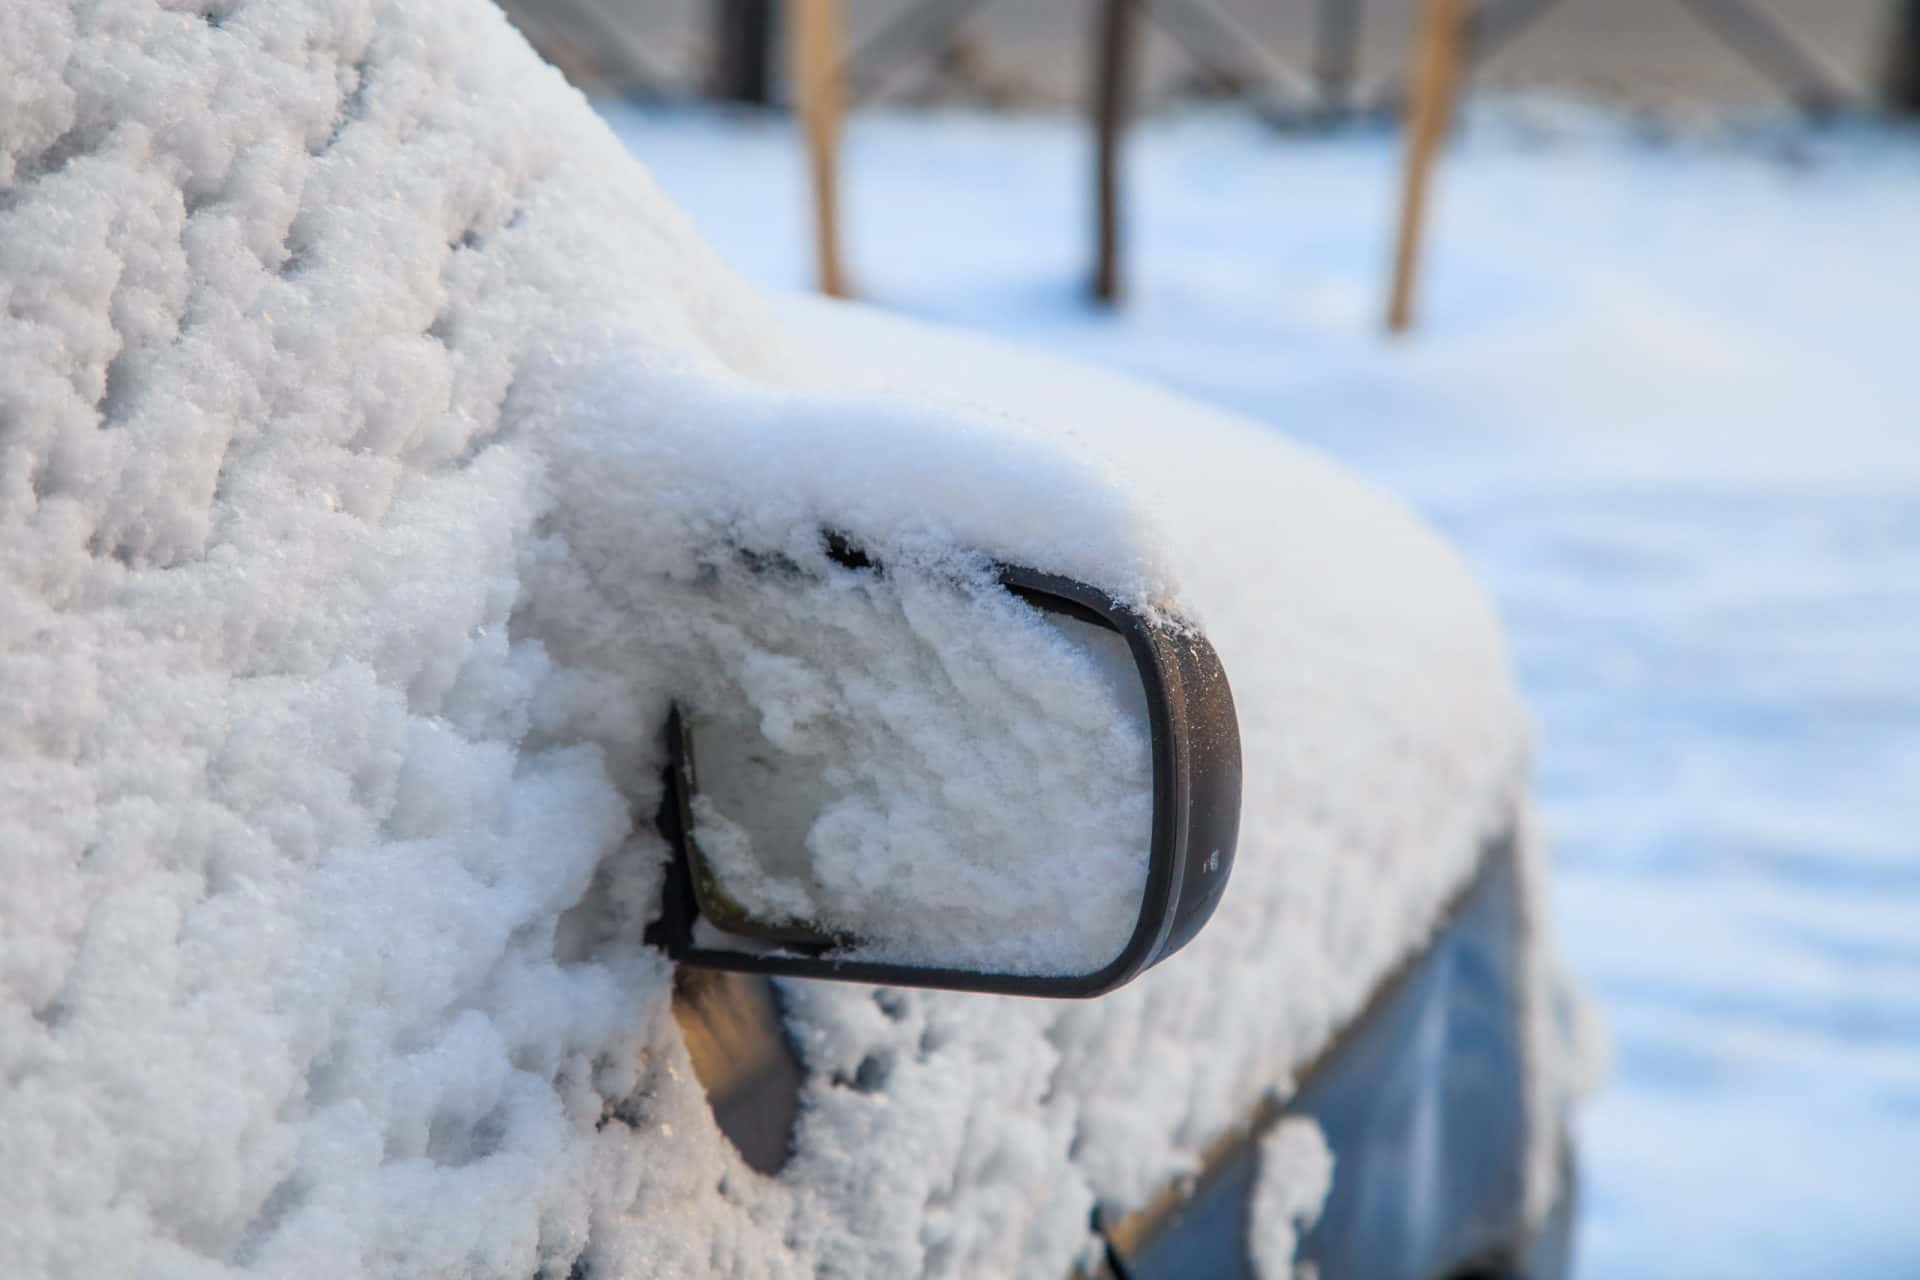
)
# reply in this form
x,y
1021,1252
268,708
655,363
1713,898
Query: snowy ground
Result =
x,y
1667,399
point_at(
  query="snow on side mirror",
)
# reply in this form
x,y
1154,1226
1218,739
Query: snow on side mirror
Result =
x,y
1001,782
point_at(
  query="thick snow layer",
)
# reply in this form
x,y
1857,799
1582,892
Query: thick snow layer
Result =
x,y
1383,742
1295,1174
369,424
1663,393
935,769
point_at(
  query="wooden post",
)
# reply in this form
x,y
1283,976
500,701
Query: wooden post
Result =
x,y
814,29
743,33
1112,83
1436,70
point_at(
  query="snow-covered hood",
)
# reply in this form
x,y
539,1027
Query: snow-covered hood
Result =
x,y
342,347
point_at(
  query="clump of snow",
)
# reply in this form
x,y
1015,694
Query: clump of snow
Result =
x,y
933,770
369,423
1295,1174
282,979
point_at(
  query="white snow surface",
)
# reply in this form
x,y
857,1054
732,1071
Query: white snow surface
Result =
x,y
931,768
368,419
1289,1190
1662,394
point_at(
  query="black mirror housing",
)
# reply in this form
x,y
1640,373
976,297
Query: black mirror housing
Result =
x,y
1196,780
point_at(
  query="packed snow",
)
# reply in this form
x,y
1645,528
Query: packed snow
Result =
x,y
847,732
1663,394
380,458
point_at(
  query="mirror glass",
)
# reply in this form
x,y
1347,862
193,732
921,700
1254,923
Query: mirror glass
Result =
x,y
917,768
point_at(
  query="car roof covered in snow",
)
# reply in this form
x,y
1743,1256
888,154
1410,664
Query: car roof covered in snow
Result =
x,y
357,382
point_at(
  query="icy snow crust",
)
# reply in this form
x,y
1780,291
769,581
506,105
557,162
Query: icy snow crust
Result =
x,y
369,428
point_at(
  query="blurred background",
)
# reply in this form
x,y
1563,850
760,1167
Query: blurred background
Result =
x,y
1661,385
1037,56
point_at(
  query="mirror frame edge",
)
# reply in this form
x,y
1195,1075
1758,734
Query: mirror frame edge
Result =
x,y
1195,746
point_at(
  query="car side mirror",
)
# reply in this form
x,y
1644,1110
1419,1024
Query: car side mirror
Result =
x,y
1033,790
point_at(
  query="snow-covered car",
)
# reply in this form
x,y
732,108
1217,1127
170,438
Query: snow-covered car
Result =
x,y
423,561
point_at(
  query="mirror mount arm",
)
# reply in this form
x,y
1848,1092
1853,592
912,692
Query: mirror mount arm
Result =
x,y
672,932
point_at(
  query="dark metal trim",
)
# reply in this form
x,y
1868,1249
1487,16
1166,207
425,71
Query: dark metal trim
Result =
x,y
1196,816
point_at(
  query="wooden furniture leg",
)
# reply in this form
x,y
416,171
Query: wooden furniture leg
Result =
x,y
814,27
1112,83
1436,71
